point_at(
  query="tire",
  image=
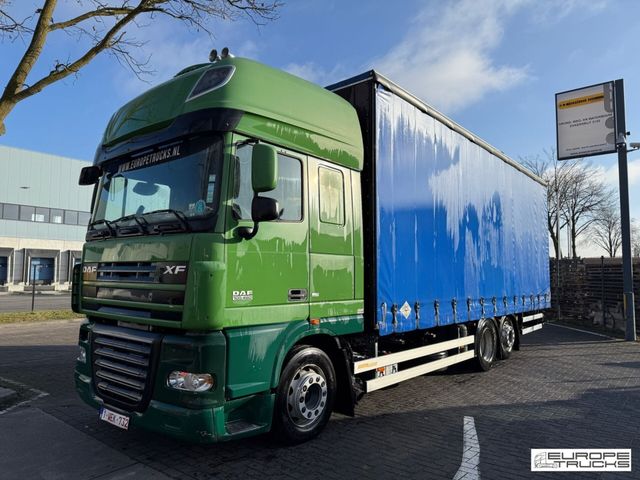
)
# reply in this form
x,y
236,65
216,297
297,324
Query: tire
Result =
x,y
486,344
305,395
507,335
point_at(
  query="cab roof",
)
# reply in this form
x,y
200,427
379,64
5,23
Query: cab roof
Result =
x,y
311,119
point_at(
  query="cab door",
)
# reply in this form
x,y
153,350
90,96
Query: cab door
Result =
x,y
331,257
268,275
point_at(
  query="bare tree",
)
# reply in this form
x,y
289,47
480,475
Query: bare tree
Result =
x,y
576,188
103,27
555,174
635,238
605,231
586,194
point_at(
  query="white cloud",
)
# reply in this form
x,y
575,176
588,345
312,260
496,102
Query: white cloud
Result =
x,y
313,72
445,57
633,172
553,11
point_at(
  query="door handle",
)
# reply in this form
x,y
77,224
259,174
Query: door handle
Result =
x,y
297,294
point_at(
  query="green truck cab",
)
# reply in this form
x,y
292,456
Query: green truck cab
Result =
x,y
224,261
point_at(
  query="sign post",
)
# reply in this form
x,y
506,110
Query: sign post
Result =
x,y
591,121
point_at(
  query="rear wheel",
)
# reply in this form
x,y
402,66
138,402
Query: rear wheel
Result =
x,y
305,395
507,334
486,344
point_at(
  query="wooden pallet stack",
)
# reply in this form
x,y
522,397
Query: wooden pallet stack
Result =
x,y
589,291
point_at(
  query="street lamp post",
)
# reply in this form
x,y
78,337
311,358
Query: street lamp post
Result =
x,y
627,259
35,268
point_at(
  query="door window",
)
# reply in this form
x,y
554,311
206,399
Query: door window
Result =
x,y
288,192
331,195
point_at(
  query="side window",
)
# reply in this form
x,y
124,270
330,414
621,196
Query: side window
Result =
x,y
288,193
331,184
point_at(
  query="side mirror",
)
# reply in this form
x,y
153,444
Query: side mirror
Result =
x,y
89,175
264,209
264,168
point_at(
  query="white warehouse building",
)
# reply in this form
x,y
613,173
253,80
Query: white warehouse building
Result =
x,y
43,219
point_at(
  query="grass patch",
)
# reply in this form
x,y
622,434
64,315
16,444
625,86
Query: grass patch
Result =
x,y
37,316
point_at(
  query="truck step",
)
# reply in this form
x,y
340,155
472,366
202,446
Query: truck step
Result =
x,y
241,426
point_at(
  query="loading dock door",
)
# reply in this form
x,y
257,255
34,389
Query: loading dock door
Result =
x,y
42,270
3,270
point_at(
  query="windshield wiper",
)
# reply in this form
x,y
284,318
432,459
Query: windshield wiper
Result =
x,y
110,227
141,222
182,219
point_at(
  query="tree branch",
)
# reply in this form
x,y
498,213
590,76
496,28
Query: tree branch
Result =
x,y
102,12
10,26
28,60
108,41
105,35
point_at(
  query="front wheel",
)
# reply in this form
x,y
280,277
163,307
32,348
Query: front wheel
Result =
x,y
305,394
486,344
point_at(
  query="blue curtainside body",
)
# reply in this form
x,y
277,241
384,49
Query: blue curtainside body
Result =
x,y
459,229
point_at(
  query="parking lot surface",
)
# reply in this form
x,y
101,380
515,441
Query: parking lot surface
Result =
x,y
564,389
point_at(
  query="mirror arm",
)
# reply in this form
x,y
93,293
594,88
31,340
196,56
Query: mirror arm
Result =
x,y
247,233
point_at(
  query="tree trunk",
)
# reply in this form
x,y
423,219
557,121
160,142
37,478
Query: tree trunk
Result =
x,y
554,240
5,109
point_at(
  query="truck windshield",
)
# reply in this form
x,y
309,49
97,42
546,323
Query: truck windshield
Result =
x,y
172,187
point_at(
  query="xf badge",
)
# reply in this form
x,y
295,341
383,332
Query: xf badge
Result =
x,y
174,269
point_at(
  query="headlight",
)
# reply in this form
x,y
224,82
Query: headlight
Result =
x,y
82,355
190,382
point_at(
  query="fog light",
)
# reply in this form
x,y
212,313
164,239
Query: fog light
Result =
x,y
190,382
82,355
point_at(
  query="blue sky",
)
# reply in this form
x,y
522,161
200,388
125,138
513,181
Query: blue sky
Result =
x,y
493,66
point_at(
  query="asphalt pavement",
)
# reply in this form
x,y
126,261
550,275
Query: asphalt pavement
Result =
x,y
21,302
564,389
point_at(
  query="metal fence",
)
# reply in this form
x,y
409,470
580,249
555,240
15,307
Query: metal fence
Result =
x,y
588,291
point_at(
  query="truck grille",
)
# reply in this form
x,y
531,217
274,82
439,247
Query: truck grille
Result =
x,y
144,290
123,366
126,272
140,272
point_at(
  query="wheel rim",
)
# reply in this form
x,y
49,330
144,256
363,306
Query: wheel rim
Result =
x,y
507,335
307,396
487,345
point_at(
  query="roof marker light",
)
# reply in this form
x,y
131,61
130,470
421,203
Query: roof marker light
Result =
x,y
211,79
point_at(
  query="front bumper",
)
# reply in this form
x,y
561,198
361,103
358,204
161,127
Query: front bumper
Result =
x,y
238,418
194,417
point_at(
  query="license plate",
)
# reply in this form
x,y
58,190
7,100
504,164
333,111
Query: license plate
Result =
x,y
120,421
